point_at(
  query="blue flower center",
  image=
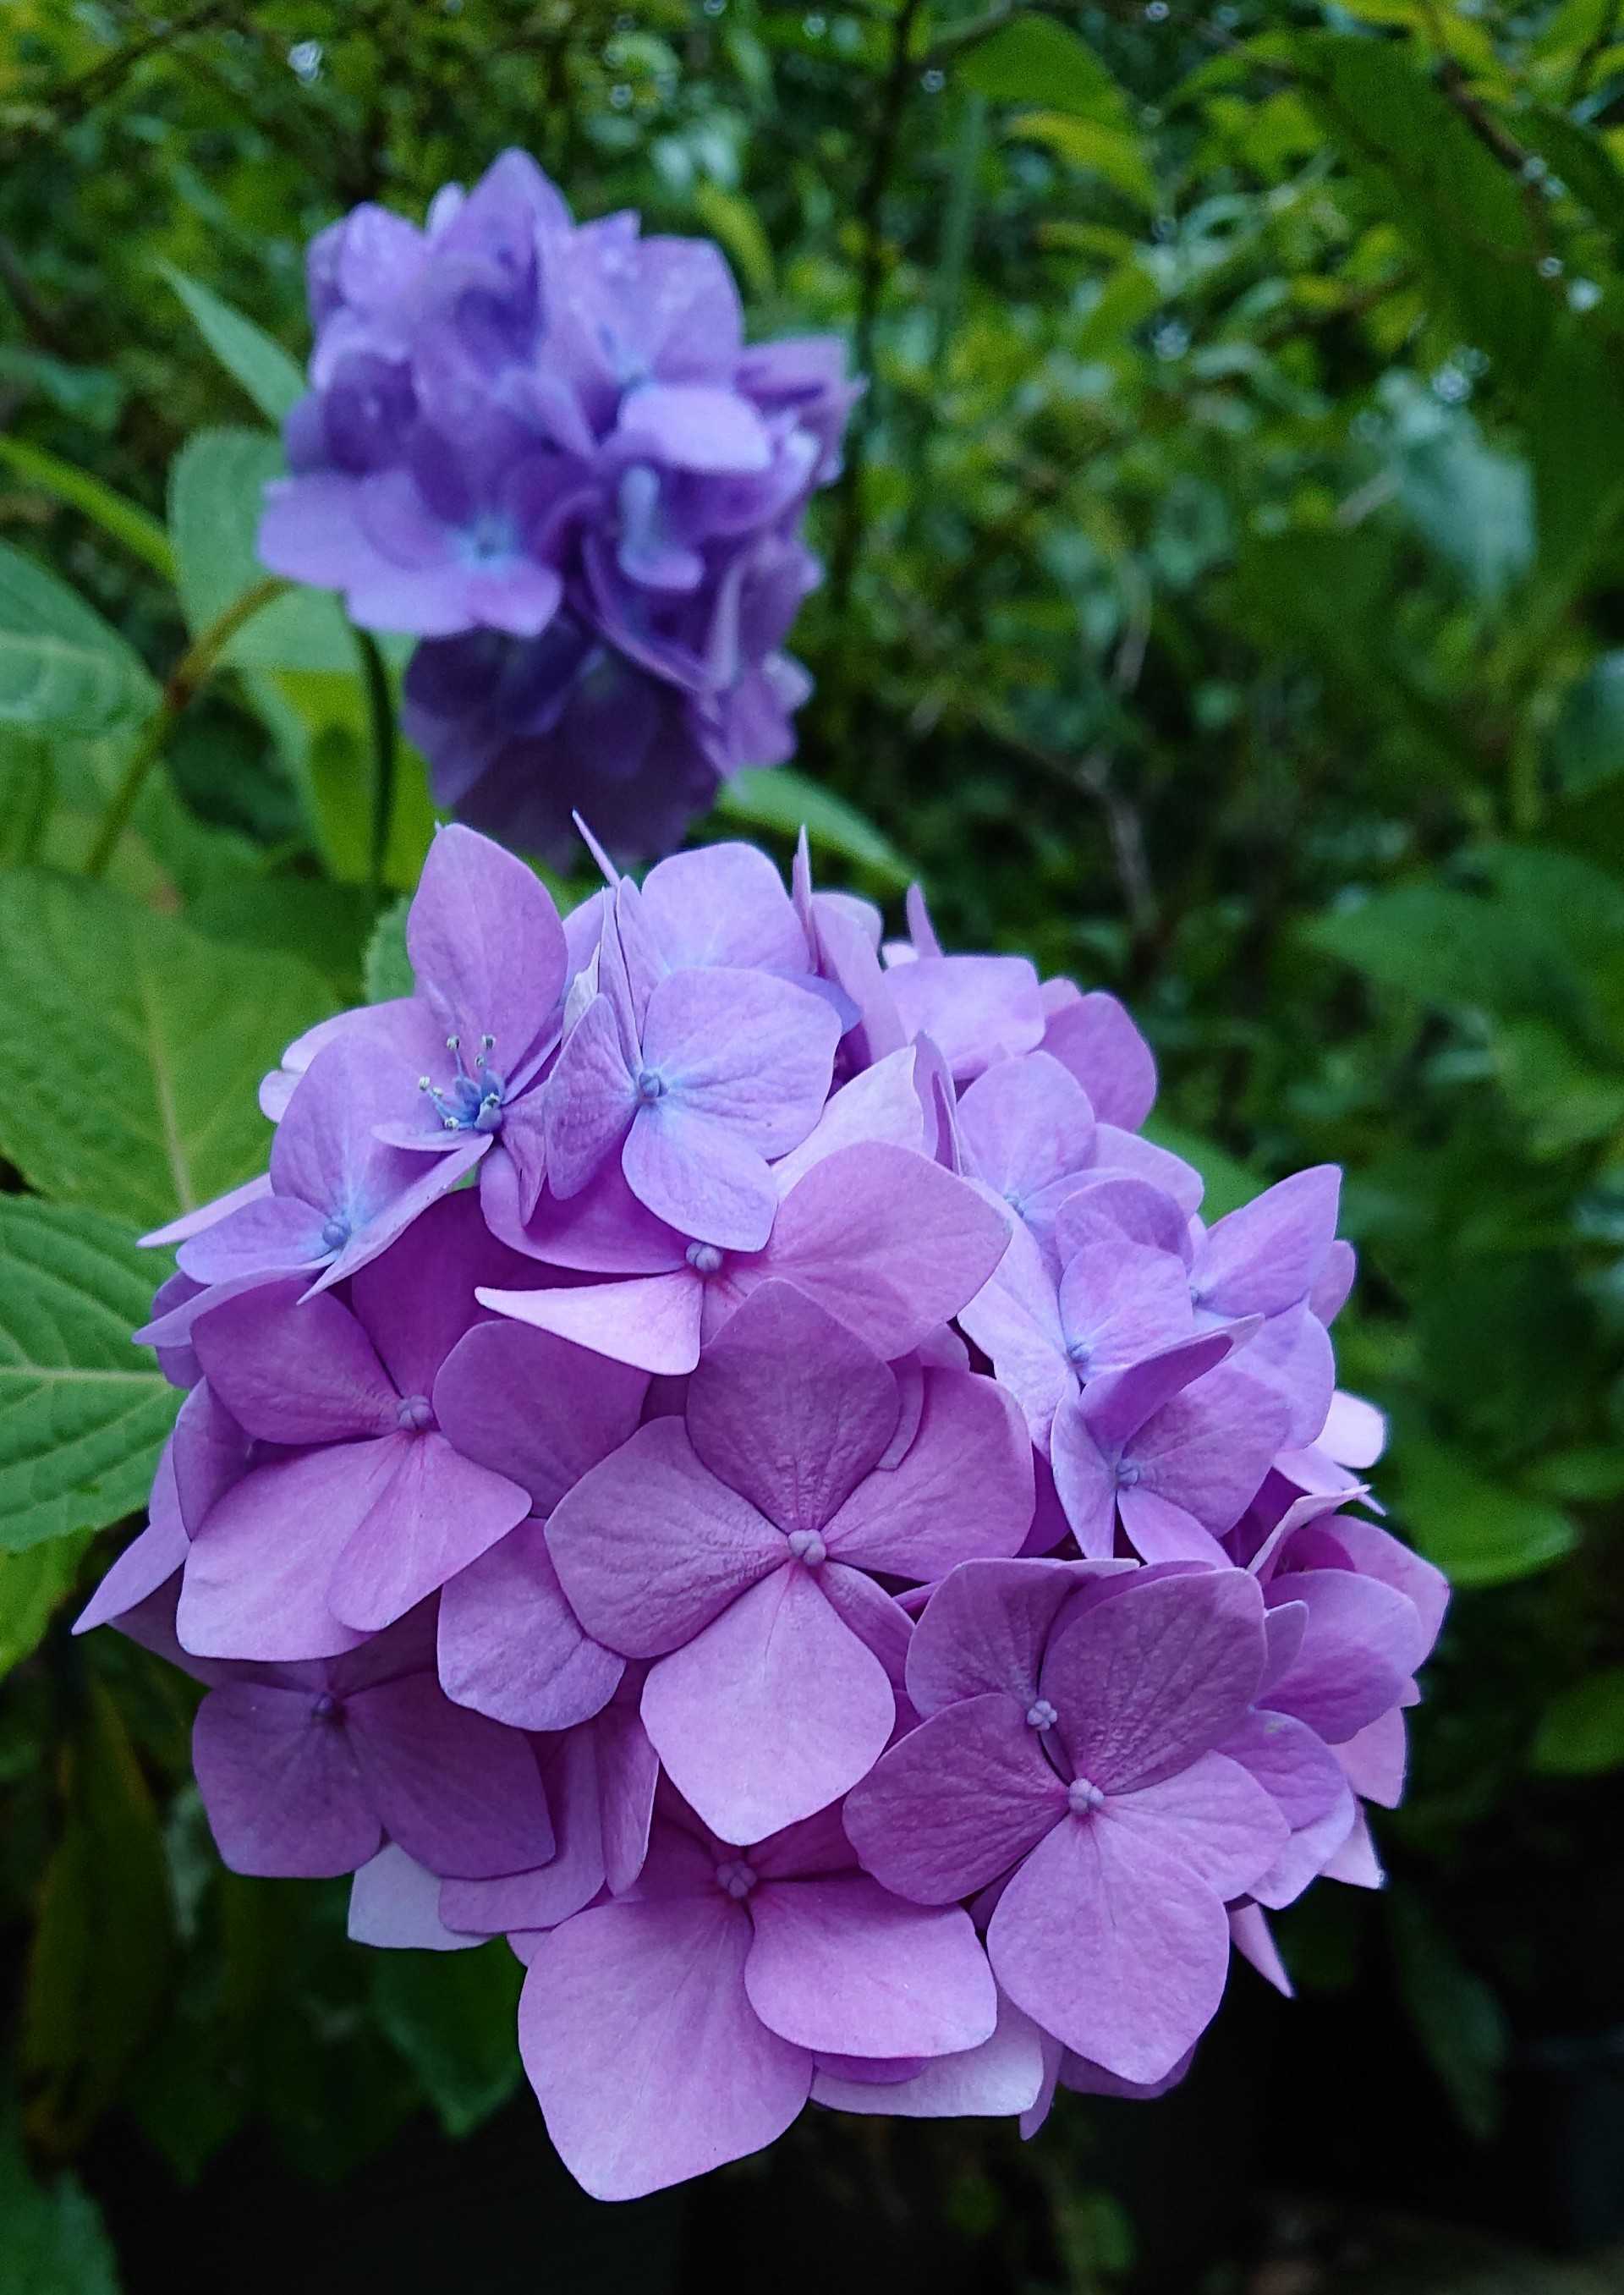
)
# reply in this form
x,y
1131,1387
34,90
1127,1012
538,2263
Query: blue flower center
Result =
x,y
1077,1353
1128,1474
651,1086
415,1414
472,1100
705,1258
808,1547
335,1232
735,1877
1041,1715
1082,1798
489,539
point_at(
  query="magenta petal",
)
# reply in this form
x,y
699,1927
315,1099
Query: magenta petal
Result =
x,y
1360,1648
955,1803
511,1645
259,1566
628,1772
1147,1681
965,1486
460,1793
436,1512
272,1236
147,1562
1085,1480
650,1546
974,1009
650,1323
574,1874
646,2056
281,1784
791,1408
1374,1760
1113,1945
533,1407
1016,1319
772,1712
842,1967
206,1215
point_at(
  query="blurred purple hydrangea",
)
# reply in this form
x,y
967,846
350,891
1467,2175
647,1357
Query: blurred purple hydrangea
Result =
x,y
718,1451
545,450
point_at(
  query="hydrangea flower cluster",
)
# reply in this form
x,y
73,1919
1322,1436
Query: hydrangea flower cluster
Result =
x,y
718,1451
545,451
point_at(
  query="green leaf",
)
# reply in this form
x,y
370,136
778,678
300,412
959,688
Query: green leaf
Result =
x,y
787,802
264,369
1229,1182
1116,154
217,485
1034,59
162,1035
82,1413
387,970
1582,1733
450,2016
1443,946
27,788
1480,1532
51,2238
1587,742
126,521
735,223
95,1985
1458,2018
60,663
33,1583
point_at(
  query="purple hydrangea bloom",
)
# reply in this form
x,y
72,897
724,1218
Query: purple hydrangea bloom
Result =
x,y
545,451
717,1451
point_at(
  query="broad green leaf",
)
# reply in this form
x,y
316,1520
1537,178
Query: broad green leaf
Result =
x,y
26,787
1458,2018
264,369
451,2016
323,924
1582,1733
217,485
133,1048
1034,59
1116,154
787,802
1480,1532
1563,1098
51,2238
82,1413
126,521
1444,946
32,1583
60,665
95,1985
1587,742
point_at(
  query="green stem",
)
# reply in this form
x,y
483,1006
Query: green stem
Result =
x,y
380,720
184,681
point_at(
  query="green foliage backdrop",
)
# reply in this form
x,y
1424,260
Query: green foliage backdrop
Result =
x,y
1226,604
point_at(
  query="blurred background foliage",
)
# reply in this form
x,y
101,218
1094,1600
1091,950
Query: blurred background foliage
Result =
x,y
1226,603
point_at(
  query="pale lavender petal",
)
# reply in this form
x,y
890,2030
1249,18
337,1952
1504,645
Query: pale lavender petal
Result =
x,y
1374,1760
650,1323
998,2079
1113,1945
974,1009
842,1967
1266,1255
1355,1863
1126,1154
148,1562
985,1628
294,1371
1117,1404
1359,1647
1158,1530
1249,1932
697,1175
650,1546
533,1407
274,1234
394,1902
1085,1479
882,1106
749,1050
1149,1680
725,905
955,1803
1094,1037
486,945
436,1512
1215,1817
648,2061
1016,1321
773,1711
511,1645
628,1771
790,1409
965,1487
1026,1124
573,1875
692,426
208,1215
591,1100
259,1564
